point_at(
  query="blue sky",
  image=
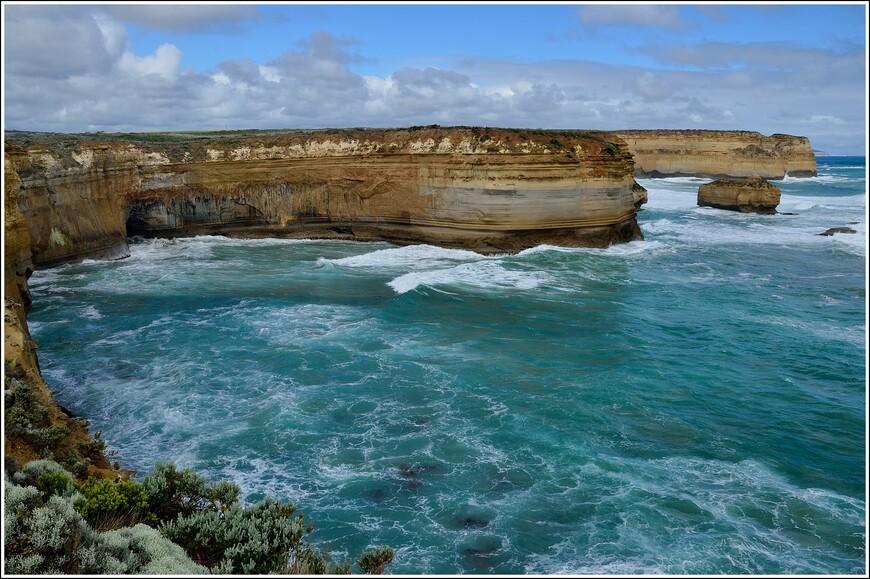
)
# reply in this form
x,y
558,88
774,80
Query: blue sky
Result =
x,y
790,68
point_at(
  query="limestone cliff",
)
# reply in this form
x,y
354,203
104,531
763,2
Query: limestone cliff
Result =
x,y
35,426
67,197
485,189
715,154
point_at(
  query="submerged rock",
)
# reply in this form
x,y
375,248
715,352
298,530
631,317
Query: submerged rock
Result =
x,y
834,230
747,195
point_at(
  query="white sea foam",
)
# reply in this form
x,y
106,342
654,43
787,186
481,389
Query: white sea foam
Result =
x,y
759,515
166,325
91,313
718,228
619,249
791,202
636,248
481,274
674,181
823,179
414,257
854,335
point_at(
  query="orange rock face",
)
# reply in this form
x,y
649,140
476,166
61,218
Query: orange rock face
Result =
x,y
719,154
20,364
488,190
750,195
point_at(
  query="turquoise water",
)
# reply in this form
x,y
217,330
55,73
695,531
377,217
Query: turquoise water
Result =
x,y
692,403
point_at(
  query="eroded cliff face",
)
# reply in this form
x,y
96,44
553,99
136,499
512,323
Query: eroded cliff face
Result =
x,y
488,190
716,154
69,197
35,426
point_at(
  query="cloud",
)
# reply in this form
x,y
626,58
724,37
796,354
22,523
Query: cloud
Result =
x,y
653,87
647,15
58,42
164,63
183,17
82,76
765,55
826,120
432,95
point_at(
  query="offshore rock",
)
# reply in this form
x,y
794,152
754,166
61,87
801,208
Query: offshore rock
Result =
x,y
715,154
750,195
834,230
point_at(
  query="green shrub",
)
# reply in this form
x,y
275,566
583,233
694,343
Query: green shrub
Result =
x,y
143,548
92,448
107,505
56,483
256,539
173,492
53,526
48,536
373,562
27,419
30,472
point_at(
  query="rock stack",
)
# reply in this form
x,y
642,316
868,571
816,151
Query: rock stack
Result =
x,y
747,195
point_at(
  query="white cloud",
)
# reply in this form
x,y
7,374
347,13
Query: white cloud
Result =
x,y
72,70
59,42
653,87
164,63
826,120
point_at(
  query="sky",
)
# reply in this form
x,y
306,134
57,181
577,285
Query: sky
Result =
x,y
793,68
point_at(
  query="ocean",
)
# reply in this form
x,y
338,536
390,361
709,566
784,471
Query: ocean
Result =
x,y
694,403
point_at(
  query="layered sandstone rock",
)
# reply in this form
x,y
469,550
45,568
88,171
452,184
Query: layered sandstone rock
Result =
x,y
68,197
714,154
750,195
485,189
26,394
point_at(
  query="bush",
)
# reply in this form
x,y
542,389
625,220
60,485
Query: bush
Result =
x,y
107,505
173,492
257,539
31,471
373,562
28,419
56,483
48,536
53,526
149,552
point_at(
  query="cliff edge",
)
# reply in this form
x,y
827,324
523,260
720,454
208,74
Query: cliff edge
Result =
x,y
489,190
717,154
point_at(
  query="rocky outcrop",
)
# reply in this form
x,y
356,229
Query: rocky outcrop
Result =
x,y
750,195
490,190
833,230
715,154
